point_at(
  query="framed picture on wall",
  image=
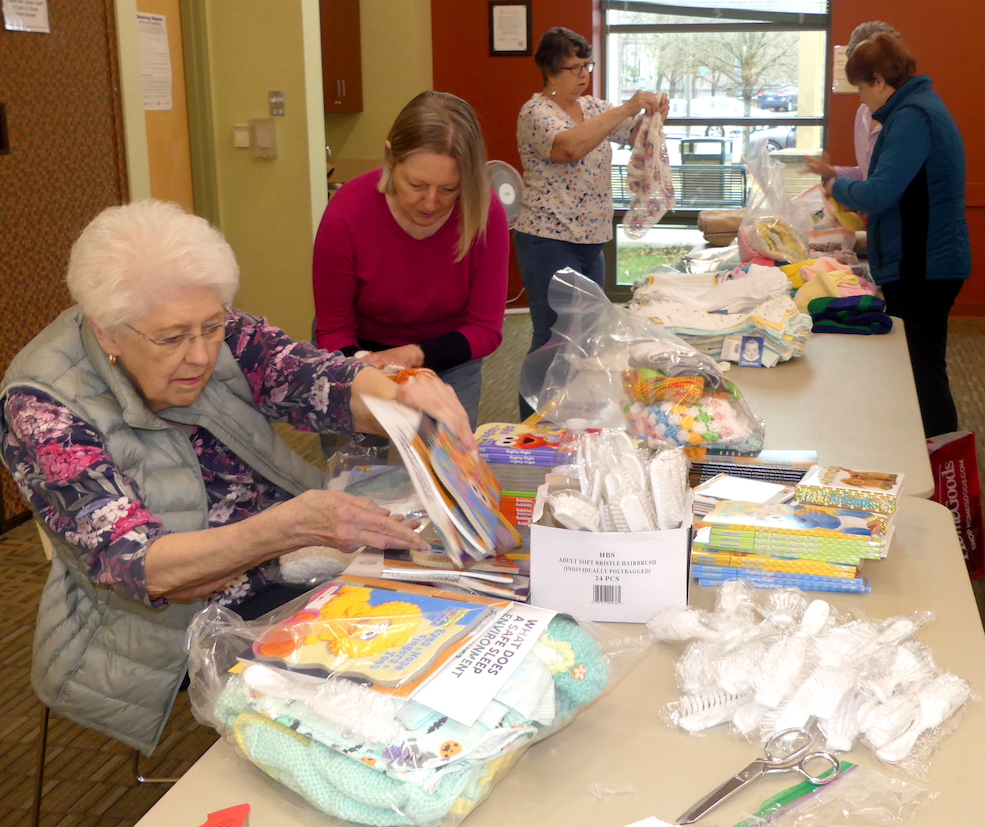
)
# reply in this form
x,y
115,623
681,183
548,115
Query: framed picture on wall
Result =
x,y
510,25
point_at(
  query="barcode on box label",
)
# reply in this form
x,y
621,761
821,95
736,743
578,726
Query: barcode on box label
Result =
x,y
607,594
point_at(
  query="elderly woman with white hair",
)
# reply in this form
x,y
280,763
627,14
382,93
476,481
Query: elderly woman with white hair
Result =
x,y
137,426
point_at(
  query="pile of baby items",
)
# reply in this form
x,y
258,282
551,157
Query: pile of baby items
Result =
x,y
376,753
791,252
751,302
615,486
616,369
788,662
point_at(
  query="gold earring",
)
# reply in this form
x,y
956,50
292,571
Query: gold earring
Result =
x,y
113,360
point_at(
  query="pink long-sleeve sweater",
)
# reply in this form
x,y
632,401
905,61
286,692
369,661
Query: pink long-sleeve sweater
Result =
x,y
376,286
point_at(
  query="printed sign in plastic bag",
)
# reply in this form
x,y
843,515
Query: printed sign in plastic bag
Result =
x,y
954,463
393,704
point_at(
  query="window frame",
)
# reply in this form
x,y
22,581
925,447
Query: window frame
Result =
x,y
751,20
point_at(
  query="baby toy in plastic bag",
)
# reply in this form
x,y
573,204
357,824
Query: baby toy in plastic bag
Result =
x,y
615,369
774,228
327,695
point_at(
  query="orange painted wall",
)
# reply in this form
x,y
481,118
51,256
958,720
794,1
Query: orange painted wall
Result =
x,y
946,40
496,86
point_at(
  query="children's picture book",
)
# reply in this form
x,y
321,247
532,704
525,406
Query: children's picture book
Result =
x,y
770,580
519,444
797,519
463,530
846,488
475,488
387,637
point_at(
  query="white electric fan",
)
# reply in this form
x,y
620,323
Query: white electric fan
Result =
x,y
507,183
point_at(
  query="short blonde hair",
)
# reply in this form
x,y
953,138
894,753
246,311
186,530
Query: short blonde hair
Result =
x,y
445,125
128,256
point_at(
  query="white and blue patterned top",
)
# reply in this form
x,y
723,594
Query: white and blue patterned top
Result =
x,y
569,202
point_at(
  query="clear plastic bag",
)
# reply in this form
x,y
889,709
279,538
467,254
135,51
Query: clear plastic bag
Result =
x,y
324,694
860,797
615,369
860,680
774,228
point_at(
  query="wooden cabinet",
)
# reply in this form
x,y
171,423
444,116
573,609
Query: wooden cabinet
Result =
x,y
341,55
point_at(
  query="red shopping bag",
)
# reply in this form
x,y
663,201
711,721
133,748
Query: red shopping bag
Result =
x,y
954,462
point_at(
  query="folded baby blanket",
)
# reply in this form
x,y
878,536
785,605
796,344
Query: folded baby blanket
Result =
x,y
855,314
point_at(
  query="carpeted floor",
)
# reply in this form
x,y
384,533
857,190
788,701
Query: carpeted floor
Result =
x,y
88,778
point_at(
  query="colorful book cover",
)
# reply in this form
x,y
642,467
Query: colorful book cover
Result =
x,y
475,488
830,485
765,562
521,439
747,540
718,573
798,520
807,584
385,636
781,547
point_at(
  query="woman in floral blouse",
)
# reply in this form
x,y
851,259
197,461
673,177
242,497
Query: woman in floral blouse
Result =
x,y
136,426
563,136
165,339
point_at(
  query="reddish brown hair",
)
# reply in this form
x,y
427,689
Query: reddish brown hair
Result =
x,y
885,55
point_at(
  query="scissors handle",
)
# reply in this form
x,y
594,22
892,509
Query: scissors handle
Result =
x,y
825,776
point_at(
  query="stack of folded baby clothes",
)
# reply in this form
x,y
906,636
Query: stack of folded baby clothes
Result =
x,y
784,330
855,314
828,277
753,302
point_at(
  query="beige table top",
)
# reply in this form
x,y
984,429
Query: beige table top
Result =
x,y
850,398
621,743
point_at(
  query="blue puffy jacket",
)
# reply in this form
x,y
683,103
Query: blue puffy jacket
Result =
x,y
915,191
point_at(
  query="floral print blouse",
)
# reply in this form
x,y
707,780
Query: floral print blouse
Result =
x,y
569,202
61,465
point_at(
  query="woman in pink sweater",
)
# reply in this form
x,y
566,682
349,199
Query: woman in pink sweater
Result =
x,y
410,260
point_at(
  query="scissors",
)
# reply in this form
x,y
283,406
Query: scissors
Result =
x,y
786,751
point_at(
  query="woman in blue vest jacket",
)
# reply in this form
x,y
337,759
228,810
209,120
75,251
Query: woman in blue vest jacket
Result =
x,y
137,426
917,235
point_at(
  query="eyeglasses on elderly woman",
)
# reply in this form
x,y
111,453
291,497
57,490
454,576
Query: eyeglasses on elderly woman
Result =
x,y
181,342
578,68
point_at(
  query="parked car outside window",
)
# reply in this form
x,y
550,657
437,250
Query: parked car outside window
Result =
x,y
780,100
776,137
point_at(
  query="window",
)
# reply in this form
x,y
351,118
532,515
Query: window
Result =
x,y
739,74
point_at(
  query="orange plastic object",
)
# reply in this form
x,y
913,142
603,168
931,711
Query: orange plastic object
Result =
x,y
230,817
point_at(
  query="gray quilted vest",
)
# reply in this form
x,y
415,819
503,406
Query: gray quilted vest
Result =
x,y
103,660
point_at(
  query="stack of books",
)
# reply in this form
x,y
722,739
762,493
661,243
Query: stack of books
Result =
x,y
770,545
782,467
728,487
520,456
711,566
511,444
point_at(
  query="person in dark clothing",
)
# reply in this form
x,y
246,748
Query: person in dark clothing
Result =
x,y
918,242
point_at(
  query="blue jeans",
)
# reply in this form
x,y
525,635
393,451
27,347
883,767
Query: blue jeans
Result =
x,y
539,259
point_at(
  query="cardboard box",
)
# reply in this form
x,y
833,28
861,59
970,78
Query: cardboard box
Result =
x,y
608,576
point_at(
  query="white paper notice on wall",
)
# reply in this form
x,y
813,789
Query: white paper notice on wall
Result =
x,y
839,81
26,16
155,61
